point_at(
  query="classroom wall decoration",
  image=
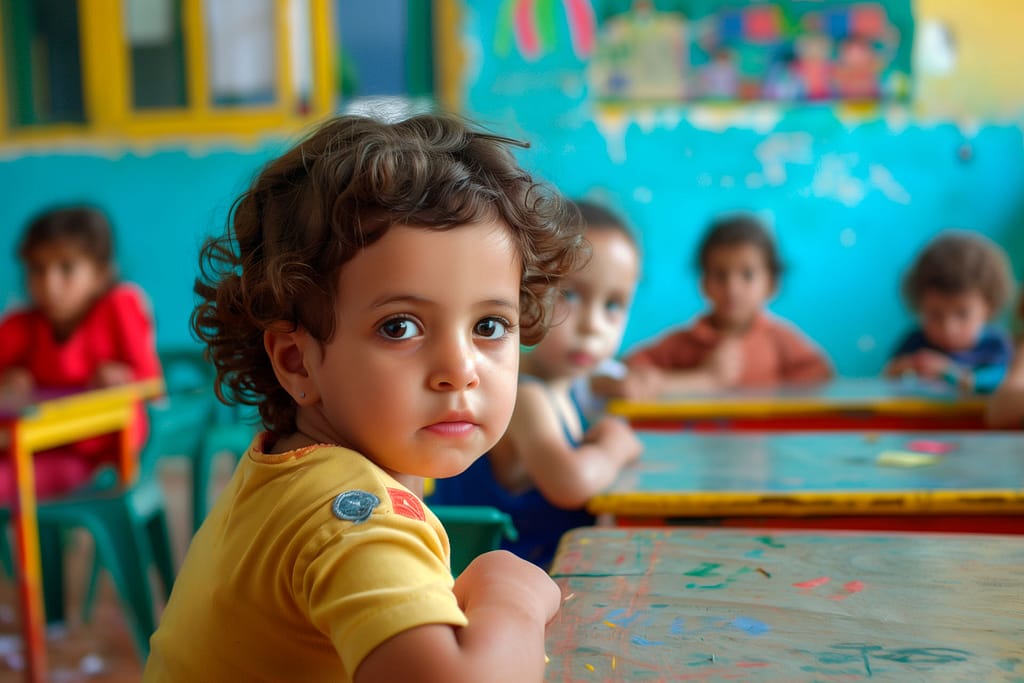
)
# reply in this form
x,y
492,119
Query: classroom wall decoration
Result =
x,y
777,50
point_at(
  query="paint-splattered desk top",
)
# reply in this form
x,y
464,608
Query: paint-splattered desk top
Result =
x,y
878,396
693,605
685,474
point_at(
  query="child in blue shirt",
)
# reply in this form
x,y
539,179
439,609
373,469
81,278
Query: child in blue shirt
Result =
x,y
957,285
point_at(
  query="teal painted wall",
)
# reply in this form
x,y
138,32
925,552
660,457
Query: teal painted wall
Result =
x,y
851,196
161,202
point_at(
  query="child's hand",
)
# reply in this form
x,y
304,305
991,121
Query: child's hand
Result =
x,y
17,382
642,382
931,364
616,436
900,366
499,577
725,363
113,374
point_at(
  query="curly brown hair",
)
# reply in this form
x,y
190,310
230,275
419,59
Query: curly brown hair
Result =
x,y
338,191
957,262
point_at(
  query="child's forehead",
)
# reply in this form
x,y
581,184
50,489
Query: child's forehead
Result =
x,y
415,258
936,296
742,250
59,249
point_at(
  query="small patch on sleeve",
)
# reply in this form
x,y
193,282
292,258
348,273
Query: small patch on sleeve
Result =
x,y
355,505
407,504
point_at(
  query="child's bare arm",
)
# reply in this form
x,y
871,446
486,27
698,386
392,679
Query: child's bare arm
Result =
x,y
567,476
507,601
1006,406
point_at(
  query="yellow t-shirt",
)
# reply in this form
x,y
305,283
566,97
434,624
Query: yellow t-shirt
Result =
x,y
308,561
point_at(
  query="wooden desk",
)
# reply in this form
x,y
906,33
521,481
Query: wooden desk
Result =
x,y
48,421
691,605
865,403
977,484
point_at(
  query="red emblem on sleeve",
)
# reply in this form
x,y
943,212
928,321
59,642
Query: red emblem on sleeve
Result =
x,y
406,504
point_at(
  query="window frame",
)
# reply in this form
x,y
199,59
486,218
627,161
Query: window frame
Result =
x,y
106,81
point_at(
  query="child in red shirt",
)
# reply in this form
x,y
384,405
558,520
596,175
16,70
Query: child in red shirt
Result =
x,y
83,330
737,344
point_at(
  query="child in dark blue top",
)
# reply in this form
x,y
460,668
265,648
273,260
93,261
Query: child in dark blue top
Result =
x,y
550,462
957,285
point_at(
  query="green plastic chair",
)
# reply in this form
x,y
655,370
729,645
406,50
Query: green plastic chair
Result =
x,y
473,530
229,432
128,523
222,438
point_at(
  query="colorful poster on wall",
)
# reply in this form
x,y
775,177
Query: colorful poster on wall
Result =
x,y
728,50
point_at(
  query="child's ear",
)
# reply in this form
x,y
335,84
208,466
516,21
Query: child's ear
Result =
x,y
291,350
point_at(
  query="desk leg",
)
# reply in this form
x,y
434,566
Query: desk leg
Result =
x,y
129,459
26,529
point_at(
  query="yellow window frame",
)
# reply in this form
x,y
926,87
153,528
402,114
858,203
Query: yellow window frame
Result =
x,y
106,75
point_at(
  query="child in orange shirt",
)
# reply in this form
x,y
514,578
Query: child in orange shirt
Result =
x,y
737,343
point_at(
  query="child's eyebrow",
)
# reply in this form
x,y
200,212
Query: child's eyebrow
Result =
x,y
389,299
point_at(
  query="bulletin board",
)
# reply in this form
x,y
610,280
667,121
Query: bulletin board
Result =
x,y
776,50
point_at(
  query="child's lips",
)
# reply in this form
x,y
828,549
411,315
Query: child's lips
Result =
x,y
457,428
582,359
455,423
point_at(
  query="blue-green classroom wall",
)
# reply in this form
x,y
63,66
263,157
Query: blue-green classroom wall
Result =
x,y
161,203
852,195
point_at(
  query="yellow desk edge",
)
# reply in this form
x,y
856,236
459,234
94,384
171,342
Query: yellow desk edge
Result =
x,y
803,504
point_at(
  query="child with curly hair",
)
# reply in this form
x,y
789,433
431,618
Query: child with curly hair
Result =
x,y
370,297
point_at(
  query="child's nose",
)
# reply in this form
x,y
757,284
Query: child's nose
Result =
x,y
590,318
455,365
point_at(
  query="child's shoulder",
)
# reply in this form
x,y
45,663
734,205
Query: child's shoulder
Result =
x,y
332,482
126,294
21,317
778,324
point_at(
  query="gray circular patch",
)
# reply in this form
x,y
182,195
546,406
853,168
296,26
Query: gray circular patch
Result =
x,y
354,506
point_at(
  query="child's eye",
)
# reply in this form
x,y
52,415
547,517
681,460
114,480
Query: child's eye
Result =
x,y
615,306
570,295
491,328
399,328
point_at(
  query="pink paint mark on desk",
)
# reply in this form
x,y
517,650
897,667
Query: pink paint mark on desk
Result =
x,y
812,583
851,588
931,447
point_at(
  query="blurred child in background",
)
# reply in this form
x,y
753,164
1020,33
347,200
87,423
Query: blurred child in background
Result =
x,y
957,285
369,296
83,329
550,461
735,344
1006,407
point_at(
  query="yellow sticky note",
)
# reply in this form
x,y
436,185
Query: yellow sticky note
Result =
x,y
905,459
